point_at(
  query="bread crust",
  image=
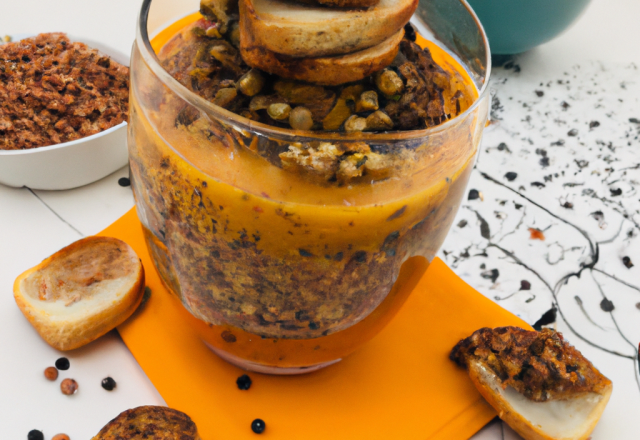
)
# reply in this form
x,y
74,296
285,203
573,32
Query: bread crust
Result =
x,y
70,332
151,423
343,32
327,71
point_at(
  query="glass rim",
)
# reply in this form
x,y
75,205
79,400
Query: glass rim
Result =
x,y
240,122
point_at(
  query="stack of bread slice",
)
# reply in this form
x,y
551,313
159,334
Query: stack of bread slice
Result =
x,y
330,42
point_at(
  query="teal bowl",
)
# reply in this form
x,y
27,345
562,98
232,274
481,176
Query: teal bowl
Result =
x,y
515,26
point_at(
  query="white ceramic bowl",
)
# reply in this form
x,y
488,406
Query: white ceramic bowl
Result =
x,y
69,164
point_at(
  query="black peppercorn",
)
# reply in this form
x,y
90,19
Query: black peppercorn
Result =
x,y
62,364
108,383
258,426
34,434
243,382
123,181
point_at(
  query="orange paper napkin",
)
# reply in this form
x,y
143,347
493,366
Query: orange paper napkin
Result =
x,y
400,385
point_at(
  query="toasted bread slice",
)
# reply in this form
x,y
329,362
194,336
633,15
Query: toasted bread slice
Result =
x,y
327,71
81,292
539,384
150,423
308,31
573,418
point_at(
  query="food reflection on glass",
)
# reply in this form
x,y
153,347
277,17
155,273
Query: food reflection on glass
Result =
x,y
282,192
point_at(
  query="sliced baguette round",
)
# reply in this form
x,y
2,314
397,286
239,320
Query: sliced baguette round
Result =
x,y
308,31
151,423
326,71
567,419
81,292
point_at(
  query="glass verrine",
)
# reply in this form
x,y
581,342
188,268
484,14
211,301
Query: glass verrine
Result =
x,y
293,270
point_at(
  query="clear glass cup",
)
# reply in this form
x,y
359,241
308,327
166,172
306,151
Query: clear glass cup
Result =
x,y
292,272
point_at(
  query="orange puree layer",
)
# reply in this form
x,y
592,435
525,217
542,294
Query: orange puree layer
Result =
x,y
295,271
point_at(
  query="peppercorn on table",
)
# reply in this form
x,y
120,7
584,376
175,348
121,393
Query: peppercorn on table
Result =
x,y
556,181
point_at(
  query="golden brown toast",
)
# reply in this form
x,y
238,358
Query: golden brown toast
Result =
x,y
328,71
307,31
539,384
150,423
81,292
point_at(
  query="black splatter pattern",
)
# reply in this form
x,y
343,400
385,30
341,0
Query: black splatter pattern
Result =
x,y
566,162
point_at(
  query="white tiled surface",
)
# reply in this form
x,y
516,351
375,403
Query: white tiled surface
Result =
x,y
29,232
92,207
